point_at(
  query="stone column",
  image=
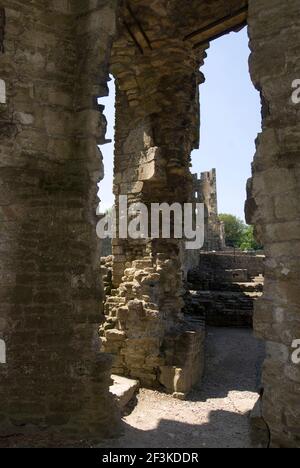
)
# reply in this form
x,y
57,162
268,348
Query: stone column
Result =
x,y
55,66
273,207
157,127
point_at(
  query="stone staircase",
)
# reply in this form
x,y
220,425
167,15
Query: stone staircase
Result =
x,y
224,297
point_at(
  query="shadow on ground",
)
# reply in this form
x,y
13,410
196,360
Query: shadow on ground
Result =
x,y
234,359
216,413
224,430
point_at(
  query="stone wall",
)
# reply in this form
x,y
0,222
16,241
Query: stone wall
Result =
x,y
273,207
213,265
54,65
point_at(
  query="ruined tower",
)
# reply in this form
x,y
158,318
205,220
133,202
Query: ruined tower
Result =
x,y
205,191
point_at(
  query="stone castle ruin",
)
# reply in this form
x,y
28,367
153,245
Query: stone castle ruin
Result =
x,y
205,190
55,60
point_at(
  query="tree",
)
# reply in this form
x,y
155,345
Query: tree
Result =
x,y
234,230
248,240
238,234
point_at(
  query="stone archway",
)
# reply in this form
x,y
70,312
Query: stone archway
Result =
x,y
156,67
158,79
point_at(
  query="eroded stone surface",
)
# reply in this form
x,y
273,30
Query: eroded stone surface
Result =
x,y
271,209
55,65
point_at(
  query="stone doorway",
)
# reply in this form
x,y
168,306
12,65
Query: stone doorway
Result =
x,y
156,131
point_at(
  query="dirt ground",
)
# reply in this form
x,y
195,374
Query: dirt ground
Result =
x,y
215,415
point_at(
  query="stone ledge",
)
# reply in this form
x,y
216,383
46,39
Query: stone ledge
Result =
x,y
123,389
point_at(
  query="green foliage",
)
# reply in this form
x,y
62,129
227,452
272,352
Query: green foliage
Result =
x,y
238,234
234,230
248,240
109,211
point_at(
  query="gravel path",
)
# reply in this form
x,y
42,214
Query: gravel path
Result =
x,y
216,414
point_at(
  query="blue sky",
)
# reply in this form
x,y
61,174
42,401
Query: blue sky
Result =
x,y
230,122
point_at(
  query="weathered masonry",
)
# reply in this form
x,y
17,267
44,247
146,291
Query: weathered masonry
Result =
x,y
54,62
55,56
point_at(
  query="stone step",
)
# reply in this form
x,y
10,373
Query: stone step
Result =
x,y
224,295
225,286
224,308
250,287
123,389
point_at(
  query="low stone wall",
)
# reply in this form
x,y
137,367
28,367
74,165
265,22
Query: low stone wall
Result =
x,y
214,265
185,358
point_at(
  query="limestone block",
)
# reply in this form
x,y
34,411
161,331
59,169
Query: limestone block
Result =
x,y
123,389
115,335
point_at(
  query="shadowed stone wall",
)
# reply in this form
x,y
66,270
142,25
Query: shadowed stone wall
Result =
x,y
273,207
224,286
54,64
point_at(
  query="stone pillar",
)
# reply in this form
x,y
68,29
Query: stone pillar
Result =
x,y
273,207
54,65
157,127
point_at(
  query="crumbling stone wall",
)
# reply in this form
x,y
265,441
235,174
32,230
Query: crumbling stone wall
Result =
x,y
273,207
157,127
54,65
